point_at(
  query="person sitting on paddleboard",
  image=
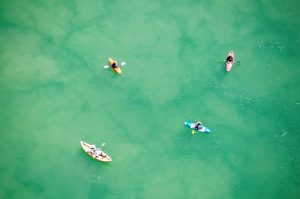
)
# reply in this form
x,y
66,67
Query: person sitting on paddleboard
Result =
x,y
198,126
229,59
114,65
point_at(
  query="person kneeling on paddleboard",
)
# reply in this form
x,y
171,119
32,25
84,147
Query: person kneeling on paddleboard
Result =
x,y
229,59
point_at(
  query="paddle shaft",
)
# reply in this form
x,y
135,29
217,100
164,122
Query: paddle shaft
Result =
x,y
122,64
102,145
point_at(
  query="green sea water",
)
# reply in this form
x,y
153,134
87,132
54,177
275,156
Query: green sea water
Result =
x,y
54,92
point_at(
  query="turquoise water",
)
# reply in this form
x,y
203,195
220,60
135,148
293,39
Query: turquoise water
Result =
x,y
55,92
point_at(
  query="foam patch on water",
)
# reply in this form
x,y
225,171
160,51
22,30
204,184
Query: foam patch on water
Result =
x,y
273,45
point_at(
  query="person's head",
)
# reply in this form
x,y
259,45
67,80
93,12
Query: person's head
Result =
x,y
114,65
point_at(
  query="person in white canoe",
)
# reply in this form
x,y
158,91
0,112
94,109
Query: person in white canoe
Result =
x,y
95,152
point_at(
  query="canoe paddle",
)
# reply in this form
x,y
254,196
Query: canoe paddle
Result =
x,y
123,63
238,62
102,145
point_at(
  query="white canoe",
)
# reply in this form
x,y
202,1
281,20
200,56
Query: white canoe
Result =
x,y
102,157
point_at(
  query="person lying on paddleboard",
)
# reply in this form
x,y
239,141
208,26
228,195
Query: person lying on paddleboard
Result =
x,y
198,126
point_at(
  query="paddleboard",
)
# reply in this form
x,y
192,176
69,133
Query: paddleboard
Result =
x,y
117,69
229,65
192,126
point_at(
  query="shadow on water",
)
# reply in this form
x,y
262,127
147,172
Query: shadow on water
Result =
x,y
221,72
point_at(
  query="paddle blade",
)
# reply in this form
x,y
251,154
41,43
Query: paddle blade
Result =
x,y
103,144
105,66
123,63
193,132
207,130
